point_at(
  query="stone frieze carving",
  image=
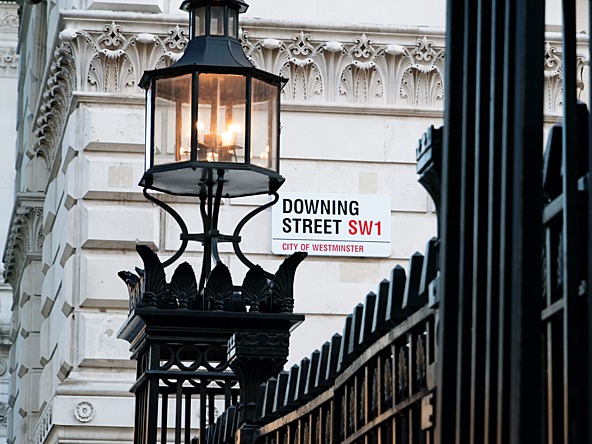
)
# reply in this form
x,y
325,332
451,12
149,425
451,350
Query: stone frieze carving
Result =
x,y
554,76
359,71
9,24
114,61
9,19
8,62
358,68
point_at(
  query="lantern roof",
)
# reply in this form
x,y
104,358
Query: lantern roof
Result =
x,y
239,5
212,52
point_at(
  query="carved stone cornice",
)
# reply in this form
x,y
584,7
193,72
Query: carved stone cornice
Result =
x,y
400,68
364,68
54,107
361,70
553,70
25,237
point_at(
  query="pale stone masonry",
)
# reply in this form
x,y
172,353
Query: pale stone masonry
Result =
x,y
359,96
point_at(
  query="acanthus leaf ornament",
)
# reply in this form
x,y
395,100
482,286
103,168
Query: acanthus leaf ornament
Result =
x,y
25,240
255,292
148,288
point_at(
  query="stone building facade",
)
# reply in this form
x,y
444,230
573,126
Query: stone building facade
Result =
x,y
8,92
358,98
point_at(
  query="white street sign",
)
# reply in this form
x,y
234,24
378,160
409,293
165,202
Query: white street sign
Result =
x,y
332,224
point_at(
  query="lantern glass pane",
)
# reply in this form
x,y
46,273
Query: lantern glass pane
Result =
x,y
199,24
217,21
232,23
172,120
221,118
148,130
264,124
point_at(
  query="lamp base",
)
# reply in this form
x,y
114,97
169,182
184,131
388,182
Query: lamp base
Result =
x,y
194,178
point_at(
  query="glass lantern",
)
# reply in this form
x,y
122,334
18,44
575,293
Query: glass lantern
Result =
x,y
212,113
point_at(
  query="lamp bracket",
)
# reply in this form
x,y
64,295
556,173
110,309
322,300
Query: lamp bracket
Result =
x,y
179,221
201,237
241,224
211,236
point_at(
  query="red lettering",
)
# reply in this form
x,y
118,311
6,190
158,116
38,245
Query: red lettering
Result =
x,y
364,227
352,227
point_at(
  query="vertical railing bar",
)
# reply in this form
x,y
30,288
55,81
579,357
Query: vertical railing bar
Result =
x,y
203,404
573,373
505,236
227,395
588,228
188,416
164,417
526,220
152,411
449,220
465,260
480,222
153,393
178,410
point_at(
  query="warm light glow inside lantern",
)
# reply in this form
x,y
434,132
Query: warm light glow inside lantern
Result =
x,y
212,111
219,129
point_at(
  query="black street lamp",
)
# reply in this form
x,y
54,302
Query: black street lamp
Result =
x,y
212,126
212,114
212,131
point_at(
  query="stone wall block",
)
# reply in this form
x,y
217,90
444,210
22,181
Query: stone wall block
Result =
x,y
46,253
30,403
47,383
31,281
48,292
403,245
58,331
49,208
106,225
94,411
31,319
99,286
112,128
45,349
63,330
98,343
68,292
111,177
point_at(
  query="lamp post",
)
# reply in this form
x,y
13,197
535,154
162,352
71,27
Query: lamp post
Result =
x,y
212,131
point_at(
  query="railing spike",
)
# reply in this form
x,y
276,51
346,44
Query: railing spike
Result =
x,y
412,301
394,309
366,334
